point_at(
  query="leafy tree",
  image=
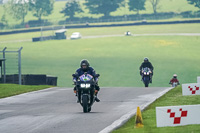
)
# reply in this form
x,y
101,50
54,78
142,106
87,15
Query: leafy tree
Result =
x,y
18,9
4,20
194,2
136,5
154,4
102,6
41,7
71,8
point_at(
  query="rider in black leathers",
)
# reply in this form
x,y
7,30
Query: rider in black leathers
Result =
x,y
148,64
85,67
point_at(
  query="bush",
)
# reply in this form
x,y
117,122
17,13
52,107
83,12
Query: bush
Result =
x,y
1,25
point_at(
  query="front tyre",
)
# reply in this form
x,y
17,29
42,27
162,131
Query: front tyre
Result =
x,y
85,103
146,81
89,109
146,85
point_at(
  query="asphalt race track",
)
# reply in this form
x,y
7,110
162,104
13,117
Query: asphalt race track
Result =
x,y
118,35
55,110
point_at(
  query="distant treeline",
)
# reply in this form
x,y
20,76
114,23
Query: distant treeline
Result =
x,y
20,8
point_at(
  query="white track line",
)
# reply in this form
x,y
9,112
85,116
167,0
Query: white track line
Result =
x,y
118,123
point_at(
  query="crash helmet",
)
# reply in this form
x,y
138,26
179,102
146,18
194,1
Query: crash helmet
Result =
x,y
174,76
146,59
84,64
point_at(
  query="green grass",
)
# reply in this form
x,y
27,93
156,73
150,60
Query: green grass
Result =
x,y
165,6
117,59
172,98
7,90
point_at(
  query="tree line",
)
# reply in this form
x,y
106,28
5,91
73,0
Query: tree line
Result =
x,y
19,8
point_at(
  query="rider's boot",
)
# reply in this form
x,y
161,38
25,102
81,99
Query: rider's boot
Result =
x,y
78,96
78,101
75,90
96,98
151,79
141,75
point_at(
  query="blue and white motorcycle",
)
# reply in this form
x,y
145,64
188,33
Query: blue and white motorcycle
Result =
x,y
146,76
85,87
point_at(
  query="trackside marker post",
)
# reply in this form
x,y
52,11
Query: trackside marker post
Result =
x,y
198,79
177,115
138,119
191,89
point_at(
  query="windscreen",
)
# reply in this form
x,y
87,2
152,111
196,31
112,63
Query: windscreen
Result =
x,y
86,77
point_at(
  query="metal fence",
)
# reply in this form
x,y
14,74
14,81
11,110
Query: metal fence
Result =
x,y
12,63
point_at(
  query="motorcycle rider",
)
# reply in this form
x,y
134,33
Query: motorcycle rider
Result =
x,y
148,64
174,80
85,67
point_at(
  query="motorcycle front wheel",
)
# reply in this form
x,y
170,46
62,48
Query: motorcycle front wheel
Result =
x,y
89,109
146,81
85,103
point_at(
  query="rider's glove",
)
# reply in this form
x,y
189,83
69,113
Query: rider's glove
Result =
x,y
74,80
96,79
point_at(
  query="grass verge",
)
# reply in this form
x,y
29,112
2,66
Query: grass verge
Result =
x,y
172,98
7,90
117,59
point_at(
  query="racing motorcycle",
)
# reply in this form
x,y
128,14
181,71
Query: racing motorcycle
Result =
x,y
174,84
146,76
85,87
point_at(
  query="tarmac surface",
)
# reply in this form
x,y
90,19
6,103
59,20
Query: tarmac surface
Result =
x,y
55,110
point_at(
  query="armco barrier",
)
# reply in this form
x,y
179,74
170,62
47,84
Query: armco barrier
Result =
x,y
107,25
51,80
14,79
35,39
177,115
32,79
19,31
